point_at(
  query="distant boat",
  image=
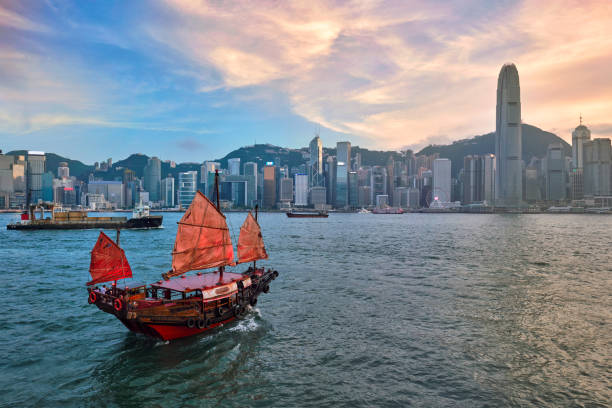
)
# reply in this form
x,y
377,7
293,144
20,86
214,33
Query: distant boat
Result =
x,y
178,305
364,211
62,220
307,214
388,210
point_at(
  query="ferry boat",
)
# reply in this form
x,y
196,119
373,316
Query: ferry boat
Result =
x,y
178,305
61,220
387,210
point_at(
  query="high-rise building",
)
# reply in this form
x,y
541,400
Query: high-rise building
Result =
x,y
207,177
250,172
441,189
269,185
330,179
315,162
597,167
318,197
301,189
489,178
378,182
580,135
167,191
111,190
35,169
508,149
353,189
286,190
128,187
152,178
555,174
473,179
234,166
532,185
187,187
63,171
343,165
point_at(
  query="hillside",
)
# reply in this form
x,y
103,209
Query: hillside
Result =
x,y
535,143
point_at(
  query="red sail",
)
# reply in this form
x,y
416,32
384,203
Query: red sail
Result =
x,y
202,240
108,261
250,242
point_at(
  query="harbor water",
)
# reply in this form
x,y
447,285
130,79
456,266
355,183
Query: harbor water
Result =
x,y
369,310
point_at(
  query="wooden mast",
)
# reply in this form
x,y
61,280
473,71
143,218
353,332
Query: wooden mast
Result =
x,y
221,268
256,208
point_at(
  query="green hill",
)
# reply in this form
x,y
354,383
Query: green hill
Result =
x,y
535,143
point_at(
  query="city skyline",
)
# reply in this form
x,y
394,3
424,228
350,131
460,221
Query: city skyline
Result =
x,y
180,78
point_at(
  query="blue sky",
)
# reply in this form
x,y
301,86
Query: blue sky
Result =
x,y
193,80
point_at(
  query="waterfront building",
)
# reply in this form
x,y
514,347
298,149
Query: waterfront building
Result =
x,y
343,163
187,188
167,191
48,188
441,188
580,136
532,184
112,191
128,187
378,182
315,162
382,201
286,190
473,179
489,178
508,148
152,178
207,177
555,173
234,166
250,171
35,170
414,198
364,196
353,189
597,167
400,197
330,179
269,186
318,197
301,189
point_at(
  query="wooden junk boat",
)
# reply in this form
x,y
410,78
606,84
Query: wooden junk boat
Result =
x,y
178,305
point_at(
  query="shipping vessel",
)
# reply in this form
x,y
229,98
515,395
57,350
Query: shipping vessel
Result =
x,y
387,210
61,220
178,305
307,214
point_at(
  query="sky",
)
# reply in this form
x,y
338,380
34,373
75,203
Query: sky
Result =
x,y
193,80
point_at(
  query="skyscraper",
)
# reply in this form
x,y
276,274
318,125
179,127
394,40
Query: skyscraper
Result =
x,y
580,135
555,172
250,172
234,166
269,184
343,157
315,163
508,149
35,169
301,189
441,190
167,191
63,171
597,167
187,187
152,178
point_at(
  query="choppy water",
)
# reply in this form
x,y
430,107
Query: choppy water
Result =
x,y
369,310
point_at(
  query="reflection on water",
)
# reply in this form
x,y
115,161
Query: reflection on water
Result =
x,y
389,310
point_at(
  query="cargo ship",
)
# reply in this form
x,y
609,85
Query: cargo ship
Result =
x,y
61,220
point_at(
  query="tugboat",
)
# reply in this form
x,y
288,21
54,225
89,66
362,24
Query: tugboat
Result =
x,y
179,306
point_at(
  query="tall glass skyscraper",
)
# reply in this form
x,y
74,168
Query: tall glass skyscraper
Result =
x,y
152,179
508,148
315,163
187,187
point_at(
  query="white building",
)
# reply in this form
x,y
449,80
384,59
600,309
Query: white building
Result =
x,y
301,189
234,166
167,191
187,187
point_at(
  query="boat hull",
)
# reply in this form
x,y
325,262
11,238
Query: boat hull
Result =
x,y
304,215
190,317
152,221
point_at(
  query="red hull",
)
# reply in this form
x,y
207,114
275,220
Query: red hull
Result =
x,y
170,332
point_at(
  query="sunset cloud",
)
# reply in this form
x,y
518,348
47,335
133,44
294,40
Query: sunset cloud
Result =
x,y
385,74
